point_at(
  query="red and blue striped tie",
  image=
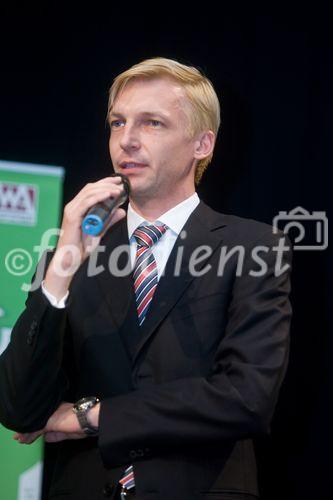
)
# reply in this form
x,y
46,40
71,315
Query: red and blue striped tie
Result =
x,y
145,282
145,269
127,481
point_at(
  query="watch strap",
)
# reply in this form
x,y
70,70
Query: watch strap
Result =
x,y
87,428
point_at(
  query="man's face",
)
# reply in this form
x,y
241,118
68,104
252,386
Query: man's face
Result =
x,y
149,141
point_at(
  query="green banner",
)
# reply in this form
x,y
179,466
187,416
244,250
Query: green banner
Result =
x,y
30,204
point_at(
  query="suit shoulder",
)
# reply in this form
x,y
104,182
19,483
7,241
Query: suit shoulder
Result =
x,y
244,228
247,225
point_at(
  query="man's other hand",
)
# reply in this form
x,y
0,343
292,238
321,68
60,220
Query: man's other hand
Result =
x,y
63,424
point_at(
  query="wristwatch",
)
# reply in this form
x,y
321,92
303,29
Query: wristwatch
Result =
x,y
81,409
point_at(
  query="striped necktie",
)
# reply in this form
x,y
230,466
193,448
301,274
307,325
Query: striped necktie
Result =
x,y
145,282
145,269
127,481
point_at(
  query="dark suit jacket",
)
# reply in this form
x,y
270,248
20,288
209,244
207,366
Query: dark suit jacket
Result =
x,y
182,397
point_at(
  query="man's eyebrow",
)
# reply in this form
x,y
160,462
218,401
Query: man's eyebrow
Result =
x,y
114,113
117,114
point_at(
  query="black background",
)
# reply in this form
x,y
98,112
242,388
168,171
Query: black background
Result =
x,y
272,72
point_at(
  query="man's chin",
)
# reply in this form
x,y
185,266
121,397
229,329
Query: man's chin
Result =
x,y
139,186
140,193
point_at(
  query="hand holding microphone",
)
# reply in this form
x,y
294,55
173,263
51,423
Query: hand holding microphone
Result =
x,y
98,216
95,208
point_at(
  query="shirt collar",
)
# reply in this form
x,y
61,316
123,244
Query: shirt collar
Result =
x,y
174,218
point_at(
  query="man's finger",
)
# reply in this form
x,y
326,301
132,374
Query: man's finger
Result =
x,y
56,436
117,216
27,437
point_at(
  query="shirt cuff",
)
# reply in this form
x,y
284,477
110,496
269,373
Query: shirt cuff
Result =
x,y
59,304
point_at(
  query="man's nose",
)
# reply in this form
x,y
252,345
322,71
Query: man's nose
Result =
x,y
129,138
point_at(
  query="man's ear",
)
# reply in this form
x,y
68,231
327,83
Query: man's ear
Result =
x,y
204,144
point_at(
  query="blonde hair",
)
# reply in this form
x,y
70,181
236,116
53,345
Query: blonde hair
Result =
x,y
204,109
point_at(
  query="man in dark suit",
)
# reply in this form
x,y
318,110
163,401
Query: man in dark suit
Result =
x,y
173,329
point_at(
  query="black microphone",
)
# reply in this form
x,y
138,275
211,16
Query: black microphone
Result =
x,y
100,214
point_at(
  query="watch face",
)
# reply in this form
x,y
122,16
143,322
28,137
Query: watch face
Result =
x,y
84,404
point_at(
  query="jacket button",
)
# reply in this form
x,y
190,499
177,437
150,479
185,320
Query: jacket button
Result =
x,y
132,454
140,453
108,489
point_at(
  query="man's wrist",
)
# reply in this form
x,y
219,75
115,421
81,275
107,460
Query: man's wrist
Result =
x,y
56,284
58,303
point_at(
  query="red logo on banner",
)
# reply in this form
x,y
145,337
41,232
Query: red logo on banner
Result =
x,y
18,203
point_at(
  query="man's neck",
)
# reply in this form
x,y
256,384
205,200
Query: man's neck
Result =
x,y
151,209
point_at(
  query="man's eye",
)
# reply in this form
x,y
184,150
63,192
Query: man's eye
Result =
x,y
154,123
116,123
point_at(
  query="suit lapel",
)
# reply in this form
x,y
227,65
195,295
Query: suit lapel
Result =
x,y
199,230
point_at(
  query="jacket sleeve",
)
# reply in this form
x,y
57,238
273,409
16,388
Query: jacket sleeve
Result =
x,y
236,401
32,378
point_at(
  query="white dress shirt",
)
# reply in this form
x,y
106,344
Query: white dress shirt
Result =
x,y
175,219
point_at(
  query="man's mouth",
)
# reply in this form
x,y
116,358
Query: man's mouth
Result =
x,y
128,165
